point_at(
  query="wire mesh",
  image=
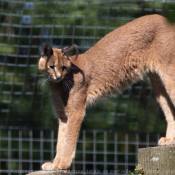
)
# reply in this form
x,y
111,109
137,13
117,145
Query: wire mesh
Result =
x,y
26,26
98,152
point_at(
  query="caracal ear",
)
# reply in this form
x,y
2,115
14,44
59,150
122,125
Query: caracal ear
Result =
x,y
66,51
46,50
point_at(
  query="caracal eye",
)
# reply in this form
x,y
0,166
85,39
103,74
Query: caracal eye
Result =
x,y
51,67
64,68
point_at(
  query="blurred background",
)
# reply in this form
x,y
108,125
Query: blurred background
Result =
x,y
113,129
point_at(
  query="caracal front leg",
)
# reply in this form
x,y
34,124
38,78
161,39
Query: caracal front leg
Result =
x,y
164,99
67,136
75,116
59,147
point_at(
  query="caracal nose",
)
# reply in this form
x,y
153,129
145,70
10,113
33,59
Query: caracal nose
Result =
x,y
57,76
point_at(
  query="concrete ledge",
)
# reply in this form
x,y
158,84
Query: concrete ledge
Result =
x,y
157,160
61,172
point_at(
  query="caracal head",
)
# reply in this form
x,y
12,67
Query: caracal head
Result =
x,y
55,63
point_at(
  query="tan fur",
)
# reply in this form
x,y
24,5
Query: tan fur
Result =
x,y
143,46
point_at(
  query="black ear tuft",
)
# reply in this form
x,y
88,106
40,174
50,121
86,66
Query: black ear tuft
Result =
x,y
66,51
46,50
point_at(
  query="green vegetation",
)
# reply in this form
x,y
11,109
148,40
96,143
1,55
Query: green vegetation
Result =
x,y
138,171
63,23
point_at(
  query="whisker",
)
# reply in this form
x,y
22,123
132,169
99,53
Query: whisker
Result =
x,y
70,82
42,82
67,83
68,86
64,85
33,76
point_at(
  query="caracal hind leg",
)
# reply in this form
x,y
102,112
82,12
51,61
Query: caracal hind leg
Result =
x,y
59,147
169,83
163,97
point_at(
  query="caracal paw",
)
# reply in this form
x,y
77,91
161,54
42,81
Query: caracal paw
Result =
x,y
166,141
48,166
64,165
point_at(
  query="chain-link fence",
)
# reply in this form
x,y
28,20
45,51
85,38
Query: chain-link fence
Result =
x,y
98,152
26,111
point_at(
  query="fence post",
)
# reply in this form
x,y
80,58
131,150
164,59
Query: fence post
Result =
x,y
157,160
60,172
